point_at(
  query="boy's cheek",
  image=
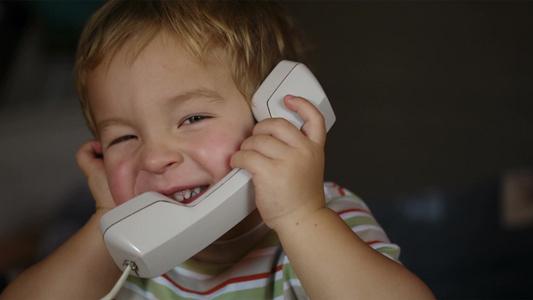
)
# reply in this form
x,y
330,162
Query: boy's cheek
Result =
x,y
118,185
115,192
219,147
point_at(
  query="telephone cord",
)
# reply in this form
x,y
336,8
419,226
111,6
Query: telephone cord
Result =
x,y
129,267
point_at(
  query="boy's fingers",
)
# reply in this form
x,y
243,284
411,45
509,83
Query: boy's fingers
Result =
x,y
265,144
279,128
314,125
249,160
97,149
86,156
91,148
82,157
89,158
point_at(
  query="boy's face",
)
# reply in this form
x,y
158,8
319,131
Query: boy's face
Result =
x,y
166,122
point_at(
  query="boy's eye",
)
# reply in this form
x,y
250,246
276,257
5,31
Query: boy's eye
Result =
x,y
194,119
122,139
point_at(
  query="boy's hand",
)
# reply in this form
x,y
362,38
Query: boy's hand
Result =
x,y
91,163
287,164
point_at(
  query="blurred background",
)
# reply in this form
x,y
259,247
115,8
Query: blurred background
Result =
x,y
434,130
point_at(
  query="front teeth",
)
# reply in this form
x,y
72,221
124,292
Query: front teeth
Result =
x,y
187,194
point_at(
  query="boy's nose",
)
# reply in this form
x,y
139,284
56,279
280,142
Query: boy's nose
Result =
x,y
159,159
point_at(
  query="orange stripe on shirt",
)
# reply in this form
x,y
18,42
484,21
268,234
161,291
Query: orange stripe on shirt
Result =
x,y
374,242
353,210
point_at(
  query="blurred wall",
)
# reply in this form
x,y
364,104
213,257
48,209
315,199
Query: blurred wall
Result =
x,y
427,92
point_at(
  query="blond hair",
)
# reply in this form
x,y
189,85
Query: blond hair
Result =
x,y
253,36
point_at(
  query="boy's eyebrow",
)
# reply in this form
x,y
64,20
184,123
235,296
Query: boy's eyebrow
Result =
x,y
194,94
103,124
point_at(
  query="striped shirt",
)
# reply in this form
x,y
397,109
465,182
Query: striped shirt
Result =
x,y
265,272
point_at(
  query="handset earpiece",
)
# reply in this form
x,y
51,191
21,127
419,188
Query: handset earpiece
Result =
x,y
290,78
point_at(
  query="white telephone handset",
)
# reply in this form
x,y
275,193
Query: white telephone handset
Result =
x,y
158,233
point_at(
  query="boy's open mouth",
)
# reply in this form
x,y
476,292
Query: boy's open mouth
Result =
x,y
189,195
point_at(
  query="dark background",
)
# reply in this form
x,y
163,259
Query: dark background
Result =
x,y
434,122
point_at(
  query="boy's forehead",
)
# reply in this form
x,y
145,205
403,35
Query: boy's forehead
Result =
x,y
135,47
153,59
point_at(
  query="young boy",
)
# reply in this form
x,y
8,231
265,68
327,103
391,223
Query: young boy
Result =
x,y
166,87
